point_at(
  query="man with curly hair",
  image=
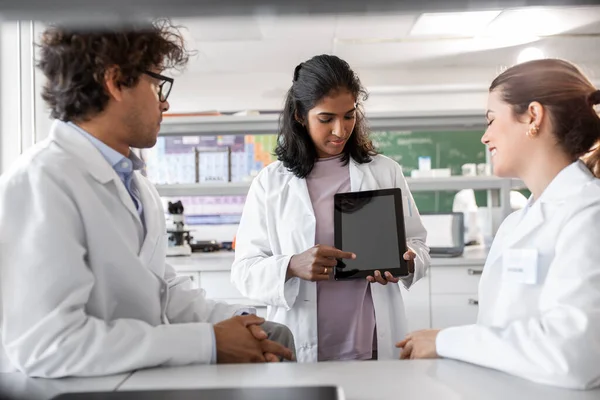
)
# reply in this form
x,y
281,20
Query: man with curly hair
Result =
x,y
84,286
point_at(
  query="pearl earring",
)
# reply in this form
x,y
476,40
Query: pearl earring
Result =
x,y
533,130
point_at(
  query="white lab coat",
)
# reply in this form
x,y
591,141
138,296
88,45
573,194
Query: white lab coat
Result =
x,y
83,291
546,331
278,221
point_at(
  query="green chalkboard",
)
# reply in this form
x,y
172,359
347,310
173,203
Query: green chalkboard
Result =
x,y
446,149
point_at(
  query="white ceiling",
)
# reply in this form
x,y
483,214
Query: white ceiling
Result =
x,y
247,62
270,43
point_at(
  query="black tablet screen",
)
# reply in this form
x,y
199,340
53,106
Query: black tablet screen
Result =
x,y
371,225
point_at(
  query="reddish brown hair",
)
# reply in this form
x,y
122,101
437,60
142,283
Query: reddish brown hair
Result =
x,y
567,95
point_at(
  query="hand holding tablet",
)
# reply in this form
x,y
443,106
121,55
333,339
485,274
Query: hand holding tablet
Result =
x,y
371,224
409,256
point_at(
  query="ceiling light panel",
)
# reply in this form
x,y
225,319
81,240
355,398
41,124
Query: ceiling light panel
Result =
x,y
541,21
453,24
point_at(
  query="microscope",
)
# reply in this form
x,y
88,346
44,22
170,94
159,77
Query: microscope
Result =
x,y
179,235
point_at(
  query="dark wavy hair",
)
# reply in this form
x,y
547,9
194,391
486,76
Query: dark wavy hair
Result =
x,y
313,80
75,60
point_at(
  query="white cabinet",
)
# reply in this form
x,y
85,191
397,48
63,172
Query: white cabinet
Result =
x,y
446,296
454,295
455,279
452,310
218,287
417,305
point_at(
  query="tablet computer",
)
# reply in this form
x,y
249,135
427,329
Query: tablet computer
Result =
x,y
370,224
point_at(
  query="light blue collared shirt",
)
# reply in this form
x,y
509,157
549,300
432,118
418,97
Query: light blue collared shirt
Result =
x,y
123,166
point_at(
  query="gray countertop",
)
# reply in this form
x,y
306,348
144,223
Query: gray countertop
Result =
x,y
222,260
16,385
394,379
373,380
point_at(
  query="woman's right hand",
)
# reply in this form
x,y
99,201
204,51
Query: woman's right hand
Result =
x,y
315,263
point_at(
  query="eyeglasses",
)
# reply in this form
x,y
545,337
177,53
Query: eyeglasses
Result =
x,y
164,87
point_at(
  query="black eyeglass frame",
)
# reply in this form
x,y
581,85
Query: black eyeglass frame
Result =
x,y
164,80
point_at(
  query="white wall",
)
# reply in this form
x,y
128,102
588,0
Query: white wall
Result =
x,y
42,112
20,125
10,89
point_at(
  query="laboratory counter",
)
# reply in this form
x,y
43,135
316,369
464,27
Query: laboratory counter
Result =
x,y
17,386
446,296
372,380
221,260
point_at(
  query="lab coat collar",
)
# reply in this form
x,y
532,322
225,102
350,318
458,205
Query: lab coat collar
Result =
x,y
69,138
359,173
300,188
152,207
569,182
91,160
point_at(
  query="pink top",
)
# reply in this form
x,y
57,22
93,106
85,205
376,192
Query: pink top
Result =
x,y
345,313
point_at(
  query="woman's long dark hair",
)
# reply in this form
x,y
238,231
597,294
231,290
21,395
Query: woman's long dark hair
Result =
x,y
314,80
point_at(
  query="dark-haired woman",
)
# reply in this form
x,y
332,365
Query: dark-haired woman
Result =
x,y
284,249
539,296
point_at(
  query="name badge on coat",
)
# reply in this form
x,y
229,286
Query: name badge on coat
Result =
x,y
520,266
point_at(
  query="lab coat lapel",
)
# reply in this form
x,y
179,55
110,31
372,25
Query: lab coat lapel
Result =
x,y
527,225
92,160
502,237
360,176
299,188
155,232
154,235
117,186
566,184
